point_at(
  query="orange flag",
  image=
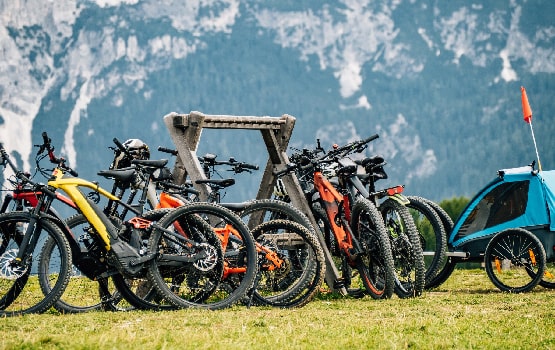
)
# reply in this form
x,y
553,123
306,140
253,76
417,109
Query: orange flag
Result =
x,y
526,110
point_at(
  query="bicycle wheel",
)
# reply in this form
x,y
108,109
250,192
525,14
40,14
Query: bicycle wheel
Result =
x,y
81,294
87,289
406,248
432,234
138,291
515,260
375,263
193,274
20,291
448,265
262,210
291,264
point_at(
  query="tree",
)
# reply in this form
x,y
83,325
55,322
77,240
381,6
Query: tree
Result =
x,y
454,206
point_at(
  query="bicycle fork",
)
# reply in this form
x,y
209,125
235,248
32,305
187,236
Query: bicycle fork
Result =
x,y
32,233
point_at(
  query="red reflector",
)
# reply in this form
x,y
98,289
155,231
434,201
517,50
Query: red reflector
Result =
x,y
394,190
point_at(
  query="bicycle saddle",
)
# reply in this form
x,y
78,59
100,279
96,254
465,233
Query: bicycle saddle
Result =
x,y
123,175
218,182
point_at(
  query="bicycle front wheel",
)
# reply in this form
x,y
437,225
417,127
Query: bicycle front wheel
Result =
x,y
375,263
206,257
20,284
406,248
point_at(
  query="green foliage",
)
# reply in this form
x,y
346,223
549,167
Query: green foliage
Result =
x,y
454,206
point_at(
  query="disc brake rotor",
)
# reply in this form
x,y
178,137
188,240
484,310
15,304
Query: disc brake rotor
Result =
x,y
8,269
208,262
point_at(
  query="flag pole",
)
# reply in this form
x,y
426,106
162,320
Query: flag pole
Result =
x,y
527,113
535,146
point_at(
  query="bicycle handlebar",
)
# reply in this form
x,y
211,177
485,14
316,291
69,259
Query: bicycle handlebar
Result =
x,y
19,174
61,162
306,162
167,150
180,188
237,167
356,146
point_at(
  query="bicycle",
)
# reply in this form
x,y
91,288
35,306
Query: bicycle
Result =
x,y
119,248
291,263
355,228
403,236
429,229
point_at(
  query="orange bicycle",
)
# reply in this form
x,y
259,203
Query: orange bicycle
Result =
x,y
356,225
290,259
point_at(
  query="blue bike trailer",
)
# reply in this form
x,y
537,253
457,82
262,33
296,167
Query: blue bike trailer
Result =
x,y
518,197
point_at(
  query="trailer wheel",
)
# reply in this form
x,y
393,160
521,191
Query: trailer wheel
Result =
x,y
515,260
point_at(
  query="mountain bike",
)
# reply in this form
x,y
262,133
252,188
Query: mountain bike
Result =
x,y
400,213
353,226
120,249
291,262
403,236
88,295
183,286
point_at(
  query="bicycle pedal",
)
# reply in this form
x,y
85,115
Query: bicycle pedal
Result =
x,y
356,293
339,283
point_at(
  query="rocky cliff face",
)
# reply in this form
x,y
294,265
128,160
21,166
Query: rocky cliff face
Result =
x,y
439,81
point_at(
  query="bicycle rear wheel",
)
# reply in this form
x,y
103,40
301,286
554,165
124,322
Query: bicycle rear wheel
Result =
x,y
193,274
82,294
447,266
431,232
515,260
91,289
375,263
20,285
300,274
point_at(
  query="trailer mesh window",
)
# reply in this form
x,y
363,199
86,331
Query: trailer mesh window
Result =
x,y
504,203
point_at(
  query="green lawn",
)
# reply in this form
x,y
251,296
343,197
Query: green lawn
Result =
x,y
467,312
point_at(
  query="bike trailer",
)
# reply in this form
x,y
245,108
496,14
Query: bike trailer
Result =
x,y
518,197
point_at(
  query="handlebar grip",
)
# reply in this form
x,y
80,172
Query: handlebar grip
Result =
x,y
371,138
45,138
120,146
289,167
167,150
73,172
250,166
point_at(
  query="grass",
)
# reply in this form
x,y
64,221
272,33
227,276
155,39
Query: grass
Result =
x,y
467,312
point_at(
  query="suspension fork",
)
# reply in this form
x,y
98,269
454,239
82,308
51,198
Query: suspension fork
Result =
x,y
31,236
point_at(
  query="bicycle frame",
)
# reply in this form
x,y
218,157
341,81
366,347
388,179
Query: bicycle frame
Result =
x,y
225,234
332,201
29,196
95,216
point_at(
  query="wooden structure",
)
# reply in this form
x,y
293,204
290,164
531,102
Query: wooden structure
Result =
x,y
185,131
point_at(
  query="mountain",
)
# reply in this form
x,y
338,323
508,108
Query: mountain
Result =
x,y
438,81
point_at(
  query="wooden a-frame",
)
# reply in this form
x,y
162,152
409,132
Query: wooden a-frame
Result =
x,y
185,131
